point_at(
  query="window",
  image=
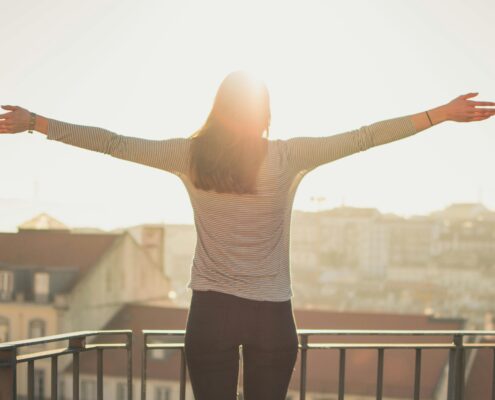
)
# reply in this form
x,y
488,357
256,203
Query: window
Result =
x,y
88,389
41,286
121,391
36,328
4,329
163,393
6,285
39,384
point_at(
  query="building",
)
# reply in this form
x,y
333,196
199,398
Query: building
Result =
x,y
172,246
53,280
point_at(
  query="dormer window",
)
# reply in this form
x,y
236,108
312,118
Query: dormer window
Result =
x,y
4,329
41,286
6,285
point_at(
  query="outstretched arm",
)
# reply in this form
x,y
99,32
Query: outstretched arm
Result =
x,y
168,154
307,153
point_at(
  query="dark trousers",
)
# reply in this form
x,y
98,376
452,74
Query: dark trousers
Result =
x,y
217,324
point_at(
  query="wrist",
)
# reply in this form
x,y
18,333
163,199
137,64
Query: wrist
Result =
x,y
32,121
438,115
41,124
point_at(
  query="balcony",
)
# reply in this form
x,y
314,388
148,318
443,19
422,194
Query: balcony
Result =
x,y
455,342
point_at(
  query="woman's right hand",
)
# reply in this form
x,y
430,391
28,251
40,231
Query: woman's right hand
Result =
x,y
15,121
463,110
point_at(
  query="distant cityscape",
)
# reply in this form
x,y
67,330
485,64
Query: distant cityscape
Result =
x,y
350,258
349,265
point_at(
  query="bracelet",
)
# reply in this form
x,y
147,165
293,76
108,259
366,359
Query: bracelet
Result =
x,y
428,115
32,120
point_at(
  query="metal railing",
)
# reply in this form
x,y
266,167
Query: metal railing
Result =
x,y
10,357
456,363
167,346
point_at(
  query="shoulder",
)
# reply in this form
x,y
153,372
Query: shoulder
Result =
x,y
277,150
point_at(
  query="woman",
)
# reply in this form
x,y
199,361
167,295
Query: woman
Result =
x,y
241,187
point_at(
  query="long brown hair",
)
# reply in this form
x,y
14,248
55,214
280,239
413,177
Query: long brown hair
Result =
x,y
227,150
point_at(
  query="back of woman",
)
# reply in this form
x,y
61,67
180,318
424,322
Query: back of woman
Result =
x,y
241,186
243,239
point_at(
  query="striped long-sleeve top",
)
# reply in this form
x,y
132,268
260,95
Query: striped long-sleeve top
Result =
x,y
242,243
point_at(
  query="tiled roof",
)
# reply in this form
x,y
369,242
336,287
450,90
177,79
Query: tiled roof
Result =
x,y
53,248
322,364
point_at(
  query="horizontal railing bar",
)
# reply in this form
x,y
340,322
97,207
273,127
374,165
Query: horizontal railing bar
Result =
x,y
353,345
178,346
165,346
67,350
64,336
166,332
358,332
106,346
380,346
44,354
479,345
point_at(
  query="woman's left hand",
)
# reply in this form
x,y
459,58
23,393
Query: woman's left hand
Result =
x,y
15,121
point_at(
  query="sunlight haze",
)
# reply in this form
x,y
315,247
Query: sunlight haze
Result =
x,y
151,69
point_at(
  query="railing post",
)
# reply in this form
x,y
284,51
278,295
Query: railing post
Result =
x,y
99,374
379,374
54,378
30,392
144,360
76,345
341,373
183,372
456,370
451,376
304,356
129,366
493,375
459,367
8,376
417,374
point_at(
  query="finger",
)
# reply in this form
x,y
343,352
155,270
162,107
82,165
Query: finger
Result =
x,y
480,118
13,108
469,95
6,115
481,103
484,110
480,111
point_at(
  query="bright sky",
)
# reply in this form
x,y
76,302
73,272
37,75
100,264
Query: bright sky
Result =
x,y
151,68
